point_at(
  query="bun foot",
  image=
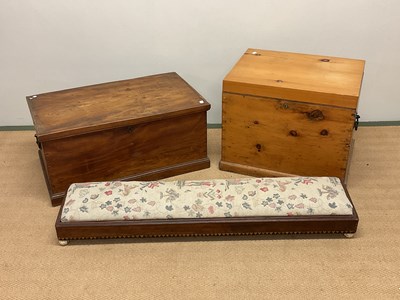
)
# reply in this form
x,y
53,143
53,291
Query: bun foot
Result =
x,y
349,235
63,242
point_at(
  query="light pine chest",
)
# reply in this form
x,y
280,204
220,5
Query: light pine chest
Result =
x,y
289,114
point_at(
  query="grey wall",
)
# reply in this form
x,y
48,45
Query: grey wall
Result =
x,y
49,45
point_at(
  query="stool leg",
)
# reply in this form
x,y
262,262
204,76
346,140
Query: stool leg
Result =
x,y
63,242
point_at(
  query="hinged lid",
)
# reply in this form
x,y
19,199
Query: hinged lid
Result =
x,y
299,77
115,104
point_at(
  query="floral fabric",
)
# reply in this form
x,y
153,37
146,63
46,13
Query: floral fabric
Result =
x,y
282,196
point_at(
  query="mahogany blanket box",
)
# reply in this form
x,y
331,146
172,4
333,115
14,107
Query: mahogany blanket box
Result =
x,y
139,129
289,114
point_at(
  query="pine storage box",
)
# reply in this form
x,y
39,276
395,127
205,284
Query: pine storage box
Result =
x,y
139,129
289,114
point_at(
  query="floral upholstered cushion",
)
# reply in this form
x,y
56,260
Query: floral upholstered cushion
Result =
x,y
284,196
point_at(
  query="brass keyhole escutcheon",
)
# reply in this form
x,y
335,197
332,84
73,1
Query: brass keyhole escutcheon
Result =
x,y
258,146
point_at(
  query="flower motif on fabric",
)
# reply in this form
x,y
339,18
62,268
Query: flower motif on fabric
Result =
x,y
127,189
84,209
170,195
332,205
303,180
239,189
246,205
205,198
83,193
282,185
230,198
150,184
69,202
252,193
307,181
197,207
328,191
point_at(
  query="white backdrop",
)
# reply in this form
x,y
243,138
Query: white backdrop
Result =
x,y
48,45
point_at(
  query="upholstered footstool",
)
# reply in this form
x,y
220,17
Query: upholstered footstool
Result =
x,y
249,206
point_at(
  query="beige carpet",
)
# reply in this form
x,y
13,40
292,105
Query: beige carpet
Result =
x,y
34,266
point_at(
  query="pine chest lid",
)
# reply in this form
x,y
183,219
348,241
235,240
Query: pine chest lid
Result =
x,y
299,77
115,104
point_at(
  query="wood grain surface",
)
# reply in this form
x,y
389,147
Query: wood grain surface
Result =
x,y
301,77
145,129
115,104
285,136
126,152
289,114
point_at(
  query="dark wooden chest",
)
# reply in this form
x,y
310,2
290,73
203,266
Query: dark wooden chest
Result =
x,y
139,129
289,114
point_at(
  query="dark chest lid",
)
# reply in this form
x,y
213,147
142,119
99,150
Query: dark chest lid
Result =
x,y
300,77
110,105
